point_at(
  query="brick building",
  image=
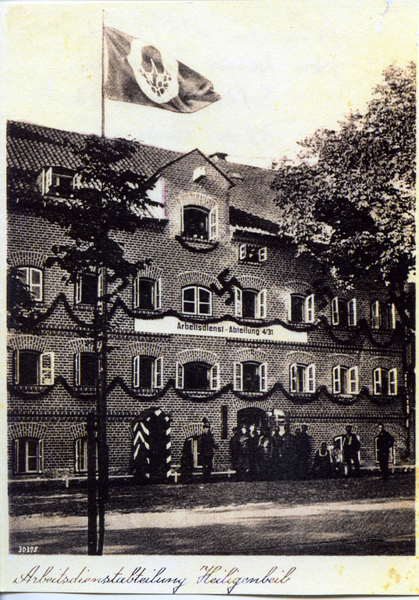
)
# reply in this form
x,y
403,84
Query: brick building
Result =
x,y
225,323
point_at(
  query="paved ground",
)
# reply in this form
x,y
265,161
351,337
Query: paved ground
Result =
x,y
365,516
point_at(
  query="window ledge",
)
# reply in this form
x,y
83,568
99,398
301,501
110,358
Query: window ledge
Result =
x,y
196,244
85,389
32,389
250,394
199,393
146,391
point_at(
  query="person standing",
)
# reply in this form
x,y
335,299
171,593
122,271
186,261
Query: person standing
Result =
x,y
384,442
265,455
322,464
207,446
243,454
234,446
351,448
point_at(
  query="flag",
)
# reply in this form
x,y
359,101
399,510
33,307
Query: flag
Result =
x,y
142,74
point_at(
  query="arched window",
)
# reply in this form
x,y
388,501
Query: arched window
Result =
x,y
197,376
147,372
32,278
250,304
199,223
383,315
385,382
302,308
344,312
303,378
196,300
34,368
146,293
345,380
250,376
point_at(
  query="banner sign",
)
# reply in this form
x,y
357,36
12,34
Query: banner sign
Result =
x,y
225,329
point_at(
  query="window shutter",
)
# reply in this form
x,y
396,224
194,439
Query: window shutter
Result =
x,y
310,308
293,378
136,372
242,251
48,180
392,382
47,368
238,377
35,283
213,223
263,374
78,290
263,254
101,284
157,289
182,220
16,366
179,376
238,301
261,308
377,381
158,373
392,316
375,315
335,311
311,378
352,312
353,380
336,380
215,377
77,358
136,291
40,455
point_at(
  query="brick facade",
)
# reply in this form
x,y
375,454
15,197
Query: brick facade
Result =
x,y
56,413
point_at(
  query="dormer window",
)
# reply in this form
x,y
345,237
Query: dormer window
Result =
x,y
199,223
198,174
57,181
253,254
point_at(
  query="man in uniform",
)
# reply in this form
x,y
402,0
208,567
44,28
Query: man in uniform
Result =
x,y
384,442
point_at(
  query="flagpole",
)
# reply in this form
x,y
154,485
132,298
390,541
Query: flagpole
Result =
x,y
103,76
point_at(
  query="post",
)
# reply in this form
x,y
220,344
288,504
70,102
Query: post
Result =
x,y
103,77
91,486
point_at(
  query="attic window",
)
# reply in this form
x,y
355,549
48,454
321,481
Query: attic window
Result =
x,y
250,253
235,175
57,181
198,174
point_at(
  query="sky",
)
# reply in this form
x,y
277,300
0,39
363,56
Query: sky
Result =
x,y
283,68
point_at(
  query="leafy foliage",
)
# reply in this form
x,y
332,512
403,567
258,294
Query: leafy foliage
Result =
x,y
350,203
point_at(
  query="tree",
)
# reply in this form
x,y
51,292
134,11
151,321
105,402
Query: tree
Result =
x,y
350,203
107,198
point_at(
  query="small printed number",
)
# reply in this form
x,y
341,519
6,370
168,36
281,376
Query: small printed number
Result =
x,y
28,549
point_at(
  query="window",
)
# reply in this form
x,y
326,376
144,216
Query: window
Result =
x,y
58,181
33,368
146,293
345,380
250,304
385,382
383,315
250,377
200,223
197,376
85,369
302,308
344,312
303,378
32,278
88,288
198,174
147,372
81,455
196,301
253,254
28,455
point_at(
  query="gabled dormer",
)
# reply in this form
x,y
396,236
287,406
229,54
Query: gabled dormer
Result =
x,y
57,181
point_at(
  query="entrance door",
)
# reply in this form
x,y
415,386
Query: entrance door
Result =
x,y
249,416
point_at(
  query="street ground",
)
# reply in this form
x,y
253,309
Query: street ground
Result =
x,y
359,516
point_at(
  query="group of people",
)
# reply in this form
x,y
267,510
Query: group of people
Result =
x,y
258,454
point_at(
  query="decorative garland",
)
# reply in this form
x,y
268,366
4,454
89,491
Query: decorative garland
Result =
x,y
120,304
185,395
187,245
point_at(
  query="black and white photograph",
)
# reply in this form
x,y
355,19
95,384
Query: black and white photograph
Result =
x,y
209,363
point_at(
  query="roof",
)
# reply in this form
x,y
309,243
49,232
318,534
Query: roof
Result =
x,y
31,147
